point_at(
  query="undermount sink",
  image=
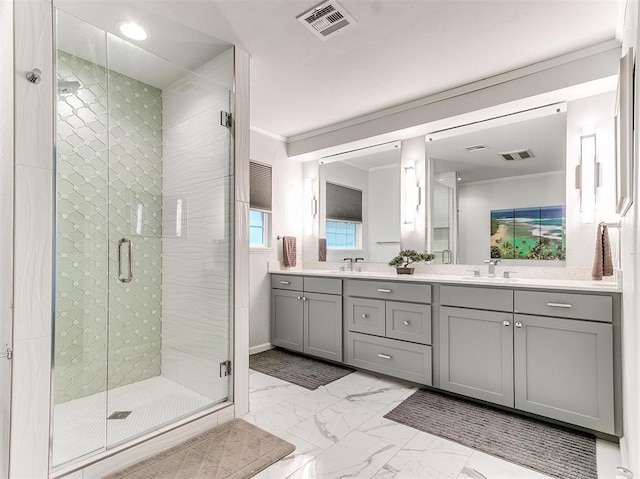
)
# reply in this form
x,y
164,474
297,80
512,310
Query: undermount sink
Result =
x,y
485,279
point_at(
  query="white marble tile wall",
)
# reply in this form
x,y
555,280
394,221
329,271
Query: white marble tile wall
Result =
x,y
6,219
196,247
29,455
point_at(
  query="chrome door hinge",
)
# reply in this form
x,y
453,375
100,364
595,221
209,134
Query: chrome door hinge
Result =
x,y
8,354
225,368
226,119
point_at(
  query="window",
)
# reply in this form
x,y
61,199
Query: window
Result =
x,y
343,228
343,234
259,205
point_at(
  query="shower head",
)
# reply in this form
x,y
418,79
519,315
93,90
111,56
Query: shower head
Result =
x,y
68,86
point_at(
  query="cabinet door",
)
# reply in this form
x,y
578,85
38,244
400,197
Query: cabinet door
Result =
x,y
476,354
286,319
323,325
564,370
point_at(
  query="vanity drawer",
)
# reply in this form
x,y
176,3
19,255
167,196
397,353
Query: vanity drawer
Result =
x,y
284,281
366,316
389,356
314,284
565,305
408,321
390,290
477,298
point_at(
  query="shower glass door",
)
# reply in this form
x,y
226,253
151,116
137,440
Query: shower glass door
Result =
x,y
144,241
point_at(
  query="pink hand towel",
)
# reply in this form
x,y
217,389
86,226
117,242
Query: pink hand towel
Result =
x,y
602,263
289,251
322,249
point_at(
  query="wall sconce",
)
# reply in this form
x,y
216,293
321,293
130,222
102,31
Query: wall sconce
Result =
x,y
588,177
411,194
314,206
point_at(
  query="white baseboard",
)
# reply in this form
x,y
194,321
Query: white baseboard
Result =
x,y
259,348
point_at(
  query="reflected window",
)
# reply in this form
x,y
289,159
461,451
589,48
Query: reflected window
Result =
x,y
343,234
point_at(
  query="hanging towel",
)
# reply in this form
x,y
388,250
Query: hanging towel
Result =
x,y
322,249
602,263
289,251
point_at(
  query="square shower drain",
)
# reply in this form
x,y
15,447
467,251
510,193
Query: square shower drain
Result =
x,y
119,415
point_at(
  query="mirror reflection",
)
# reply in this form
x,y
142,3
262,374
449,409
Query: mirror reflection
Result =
x,y
498,190
360,203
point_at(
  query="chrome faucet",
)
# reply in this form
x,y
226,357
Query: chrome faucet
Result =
x,y
491,273
350,260
358,268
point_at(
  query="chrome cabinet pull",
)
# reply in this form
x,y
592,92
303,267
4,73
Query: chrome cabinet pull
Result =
x,y
125,278
285,282
518,324
384,356
380,290
406,322
304,298
365,316
506,323
559,305
300,297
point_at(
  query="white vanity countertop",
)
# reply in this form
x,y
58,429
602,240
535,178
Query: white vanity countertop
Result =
x,y
606,286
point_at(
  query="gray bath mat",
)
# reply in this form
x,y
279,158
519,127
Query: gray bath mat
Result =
x,y
297,369
553,450
234,450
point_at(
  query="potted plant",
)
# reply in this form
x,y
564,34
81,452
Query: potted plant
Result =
x,y
407,257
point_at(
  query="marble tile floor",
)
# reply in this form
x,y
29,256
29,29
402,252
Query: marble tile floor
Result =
x,y
339,432
80,426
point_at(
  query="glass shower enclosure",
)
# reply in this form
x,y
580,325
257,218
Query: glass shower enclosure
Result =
x,y
144,241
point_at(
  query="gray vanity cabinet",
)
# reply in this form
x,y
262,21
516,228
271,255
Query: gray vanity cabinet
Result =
x,y
322,325
476,354
388,328
564,357
287,311
306,315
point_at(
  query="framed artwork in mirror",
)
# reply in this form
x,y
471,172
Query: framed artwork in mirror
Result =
x,y
624,135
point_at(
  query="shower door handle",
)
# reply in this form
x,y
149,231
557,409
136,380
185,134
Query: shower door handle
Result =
x,y
125,278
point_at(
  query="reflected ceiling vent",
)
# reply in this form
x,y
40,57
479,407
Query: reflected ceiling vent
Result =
x,y
327,19
473,148
516,155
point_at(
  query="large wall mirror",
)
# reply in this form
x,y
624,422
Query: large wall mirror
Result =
x,y
498,189
504,188
360,203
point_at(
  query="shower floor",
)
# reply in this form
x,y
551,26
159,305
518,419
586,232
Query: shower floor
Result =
x,y
80,427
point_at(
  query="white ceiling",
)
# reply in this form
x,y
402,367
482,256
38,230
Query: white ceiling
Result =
x,y
400,50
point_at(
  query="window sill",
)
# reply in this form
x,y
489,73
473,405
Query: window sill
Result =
x,y
261,249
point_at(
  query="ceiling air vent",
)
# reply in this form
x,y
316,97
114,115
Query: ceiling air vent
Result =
x,y
516,155
473,148
327,19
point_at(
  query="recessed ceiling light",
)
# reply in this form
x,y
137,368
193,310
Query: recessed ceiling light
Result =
x,y
132,30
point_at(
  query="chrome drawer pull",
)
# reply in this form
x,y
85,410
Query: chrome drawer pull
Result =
x,y
365,316
406,323
518,324
384,356
285,282
559,305
383,290
506,323
299,297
